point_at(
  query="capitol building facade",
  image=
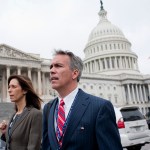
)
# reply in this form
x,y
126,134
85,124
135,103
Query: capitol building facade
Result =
x,y
110,68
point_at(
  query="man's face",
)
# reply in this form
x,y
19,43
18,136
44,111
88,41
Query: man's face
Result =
x,y
61,76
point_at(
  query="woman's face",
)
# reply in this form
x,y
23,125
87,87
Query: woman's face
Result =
x,y
15,91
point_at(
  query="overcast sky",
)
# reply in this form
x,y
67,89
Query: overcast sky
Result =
x,y
39,26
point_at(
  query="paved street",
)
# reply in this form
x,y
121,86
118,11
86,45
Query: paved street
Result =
x,y
145,147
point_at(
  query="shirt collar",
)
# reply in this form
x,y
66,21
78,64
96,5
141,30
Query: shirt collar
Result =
x,y
70,98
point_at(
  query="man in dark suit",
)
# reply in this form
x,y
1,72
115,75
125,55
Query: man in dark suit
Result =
x,y
83,121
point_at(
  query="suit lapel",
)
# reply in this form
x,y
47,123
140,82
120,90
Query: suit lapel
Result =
x,y
21,118
51,128
7,135
80,105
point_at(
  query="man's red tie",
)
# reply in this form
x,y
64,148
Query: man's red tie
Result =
x,y
60,121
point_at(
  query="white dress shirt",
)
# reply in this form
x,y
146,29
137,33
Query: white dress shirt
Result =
x,y
68,100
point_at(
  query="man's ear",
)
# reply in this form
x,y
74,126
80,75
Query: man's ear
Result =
x,y
75,74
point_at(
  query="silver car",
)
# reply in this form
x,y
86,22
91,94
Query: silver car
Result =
x,y
133,127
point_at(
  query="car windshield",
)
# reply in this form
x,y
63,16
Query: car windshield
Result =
x,y
132,114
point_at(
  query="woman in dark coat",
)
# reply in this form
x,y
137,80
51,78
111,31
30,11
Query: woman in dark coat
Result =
x,y
24,129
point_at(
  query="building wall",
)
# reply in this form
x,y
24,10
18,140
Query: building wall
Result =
x,y
123,89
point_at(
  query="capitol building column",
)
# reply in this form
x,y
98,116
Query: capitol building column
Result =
x,y
96,67
133,92
144,92
88,67
29,73
129,94
4,85
105,62
39,82
91,67
123,94
121,65
43,83
130,63
137,93
116,67
141,95
7,76
126,64
149,92
100,63
8,72
19,70
110,60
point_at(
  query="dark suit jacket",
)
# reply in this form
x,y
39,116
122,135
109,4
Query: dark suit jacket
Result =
x,y
92,126
26,132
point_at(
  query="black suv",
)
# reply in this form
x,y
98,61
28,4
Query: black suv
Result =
x,y
148,119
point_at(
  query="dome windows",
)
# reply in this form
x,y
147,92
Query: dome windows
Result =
x,y
118,46
97,49
105,46
110,46
102,47
84,86
114,46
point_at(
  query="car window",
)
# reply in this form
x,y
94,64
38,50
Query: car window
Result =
x,y
148,115
132,114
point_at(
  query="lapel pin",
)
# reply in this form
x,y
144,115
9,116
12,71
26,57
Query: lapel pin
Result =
x,y
82,128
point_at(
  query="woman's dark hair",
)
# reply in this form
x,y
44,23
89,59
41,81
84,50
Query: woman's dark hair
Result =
x,y
32,99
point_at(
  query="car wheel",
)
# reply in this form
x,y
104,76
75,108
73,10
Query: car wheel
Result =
x,y
134,148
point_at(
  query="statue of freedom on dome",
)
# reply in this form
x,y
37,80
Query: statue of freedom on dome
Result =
x,y
101,4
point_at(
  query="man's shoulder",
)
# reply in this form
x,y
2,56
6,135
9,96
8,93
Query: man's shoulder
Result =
x,y
90,95
95,98
50,102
